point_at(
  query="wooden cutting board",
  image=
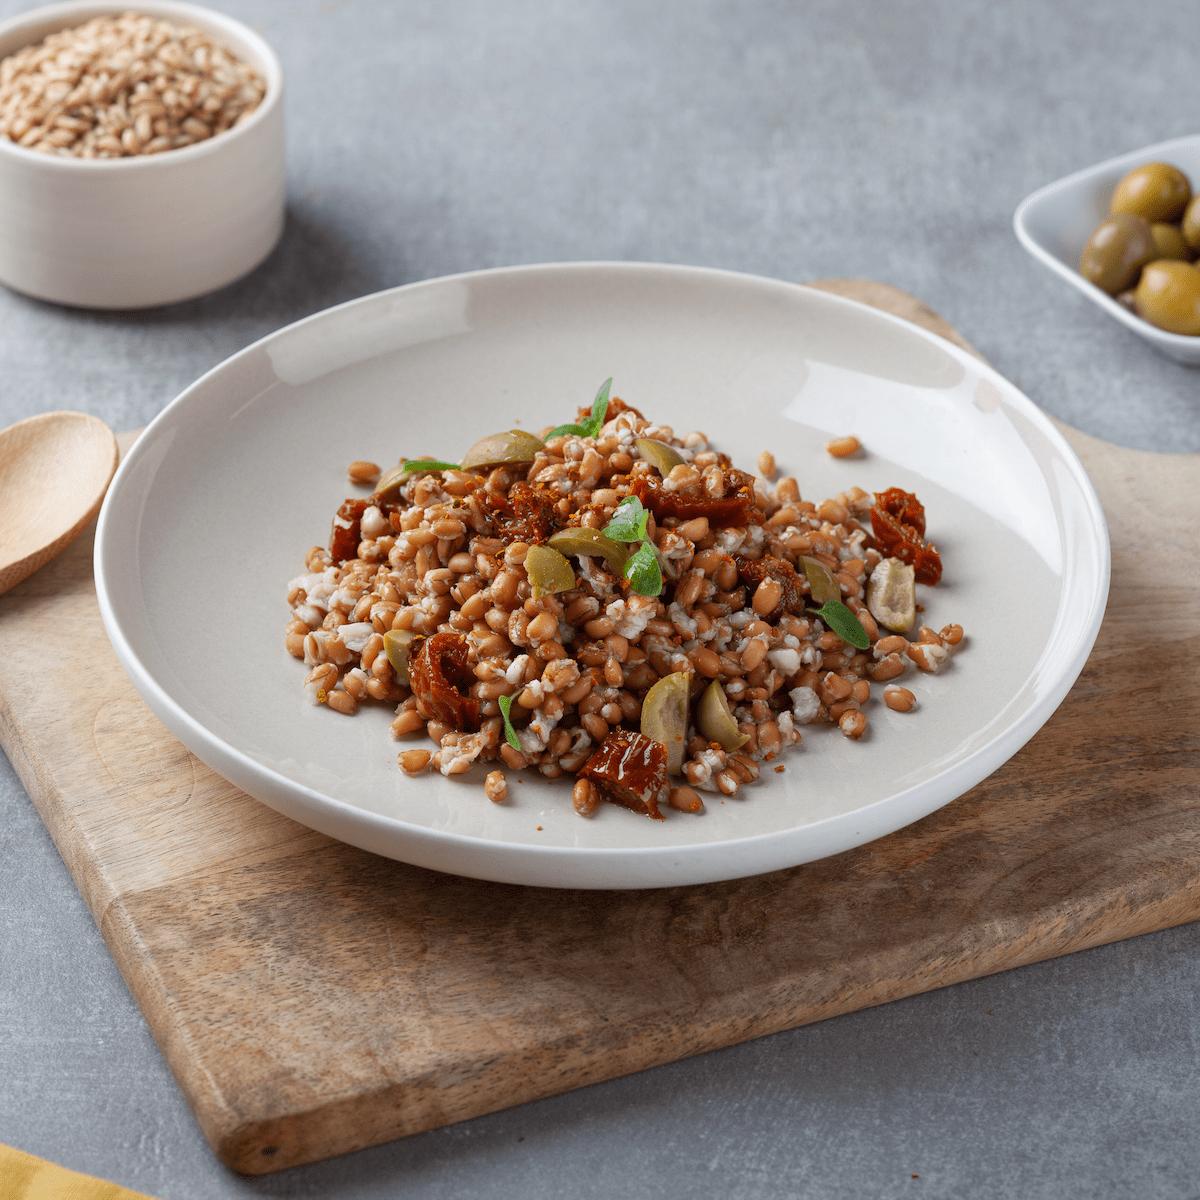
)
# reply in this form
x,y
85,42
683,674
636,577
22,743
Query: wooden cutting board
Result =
x,y
312,999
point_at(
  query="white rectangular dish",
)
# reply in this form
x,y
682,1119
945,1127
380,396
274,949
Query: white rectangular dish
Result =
x,y
1054,223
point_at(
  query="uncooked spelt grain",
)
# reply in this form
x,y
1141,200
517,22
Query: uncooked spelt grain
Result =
x,y
123,86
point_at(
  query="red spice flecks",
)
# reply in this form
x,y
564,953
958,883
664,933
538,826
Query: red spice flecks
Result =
x,y
630,769
898,522
736,507
439,676
347,530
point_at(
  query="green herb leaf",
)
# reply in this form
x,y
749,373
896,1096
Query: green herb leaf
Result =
x,y
510,734
643,572
594,423
628,523
430,464
844,623
599,408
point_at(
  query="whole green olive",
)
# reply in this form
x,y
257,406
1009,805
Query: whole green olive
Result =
x,y
1169,242
1191,225
1157,191
1168,295
1117,250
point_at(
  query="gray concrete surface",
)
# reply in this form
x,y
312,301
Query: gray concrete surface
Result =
x,y
890,140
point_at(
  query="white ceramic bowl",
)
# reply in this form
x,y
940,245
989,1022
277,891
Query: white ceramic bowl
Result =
x,y
137,232
1055,222
215,507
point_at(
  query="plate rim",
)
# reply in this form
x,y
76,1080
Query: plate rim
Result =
x,y
692,863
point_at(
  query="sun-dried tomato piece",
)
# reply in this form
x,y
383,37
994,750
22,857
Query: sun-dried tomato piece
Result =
x,y
630,769
752,571
347,530
439,677
528,513
904,506
898,537
736,507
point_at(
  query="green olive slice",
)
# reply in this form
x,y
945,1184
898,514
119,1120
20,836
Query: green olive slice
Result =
x,y
548,571
659,454
892,595
714,718
590,543
497,449
665,715
821,584
396,645
390,483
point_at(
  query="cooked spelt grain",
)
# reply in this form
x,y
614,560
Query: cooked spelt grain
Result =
x,y
843,447
577,664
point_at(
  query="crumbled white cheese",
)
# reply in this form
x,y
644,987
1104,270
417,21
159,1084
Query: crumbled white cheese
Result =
x,y
536,735
516,669
354,636
373,522
319,587
785,661
630,617
805,705
595,576
681,620
935,656
731,539
458,752
702,769
753,537
310,614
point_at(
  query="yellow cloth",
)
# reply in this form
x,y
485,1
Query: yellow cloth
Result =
x,y
23,1177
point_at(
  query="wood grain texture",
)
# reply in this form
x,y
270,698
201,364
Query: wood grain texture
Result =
x,y
313,999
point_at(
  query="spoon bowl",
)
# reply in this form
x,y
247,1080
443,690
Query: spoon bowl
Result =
x,y
54,471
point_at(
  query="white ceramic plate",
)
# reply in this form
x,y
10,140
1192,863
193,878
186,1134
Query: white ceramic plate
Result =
x,y
213,510
1055,222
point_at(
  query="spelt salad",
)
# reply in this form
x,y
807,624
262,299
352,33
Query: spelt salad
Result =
x,y
613,603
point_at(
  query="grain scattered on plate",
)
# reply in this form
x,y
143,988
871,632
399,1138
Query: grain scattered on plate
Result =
x,y
899,699
844,447
364,473
495,787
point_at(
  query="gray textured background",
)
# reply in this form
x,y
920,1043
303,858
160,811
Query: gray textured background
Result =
x,y
891,140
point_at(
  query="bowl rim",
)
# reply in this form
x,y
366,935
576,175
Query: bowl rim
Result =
x,y
1130,158
76,12
689,864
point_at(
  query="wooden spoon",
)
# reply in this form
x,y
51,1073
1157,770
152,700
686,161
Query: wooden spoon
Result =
x,y
54,471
